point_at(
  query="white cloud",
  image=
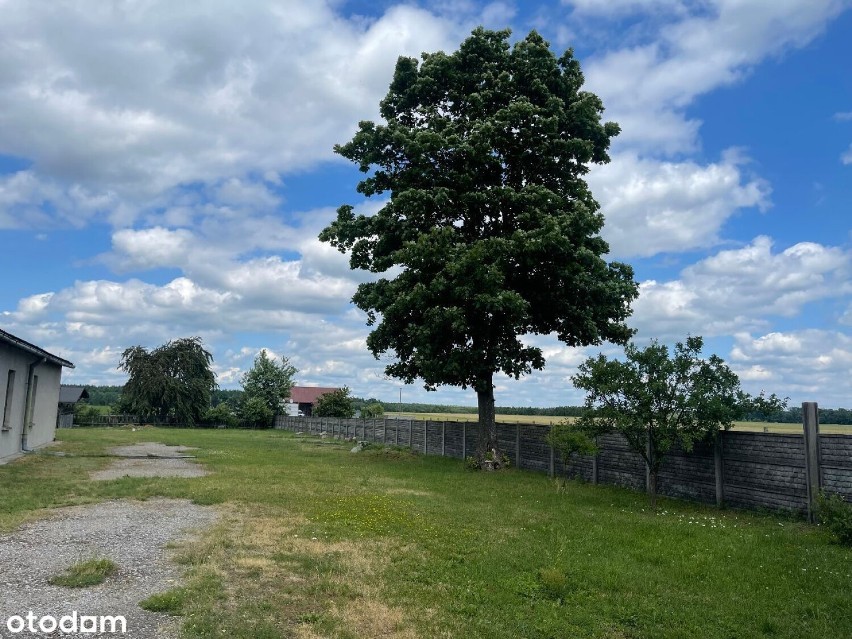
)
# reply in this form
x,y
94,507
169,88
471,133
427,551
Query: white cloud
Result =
x,y
807,365
740,289
647,87
615,8
846,158
129,101
653,206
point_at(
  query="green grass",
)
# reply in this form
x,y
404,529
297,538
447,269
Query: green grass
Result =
x,y
171,602
316,541
83,574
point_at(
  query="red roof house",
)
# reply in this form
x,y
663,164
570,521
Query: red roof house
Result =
x,y
306,397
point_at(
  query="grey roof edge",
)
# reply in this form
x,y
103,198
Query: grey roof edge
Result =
x,y
32,348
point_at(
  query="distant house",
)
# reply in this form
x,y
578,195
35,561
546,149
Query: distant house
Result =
x,y
69,396
303,399
29,395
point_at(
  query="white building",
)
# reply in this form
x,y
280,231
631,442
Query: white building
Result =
x,y
29,395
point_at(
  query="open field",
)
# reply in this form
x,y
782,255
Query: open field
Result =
x,y
772,427
315,541
470,417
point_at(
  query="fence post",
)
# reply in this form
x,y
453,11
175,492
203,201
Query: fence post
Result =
x,y
443,437
385,430
464,440
813,472
595,474
719,466
410,433
517,445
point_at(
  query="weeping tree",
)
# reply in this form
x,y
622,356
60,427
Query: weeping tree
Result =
x,y
488,231
173,380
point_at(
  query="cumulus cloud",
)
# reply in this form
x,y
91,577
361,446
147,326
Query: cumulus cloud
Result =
x,y
647,87
740,289
810,365
614,8
653,206
131,100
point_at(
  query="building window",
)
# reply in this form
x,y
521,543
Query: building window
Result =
x,y
33,401
7,407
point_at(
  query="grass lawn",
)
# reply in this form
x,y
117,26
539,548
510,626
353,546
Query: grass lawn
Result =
x,y
317,542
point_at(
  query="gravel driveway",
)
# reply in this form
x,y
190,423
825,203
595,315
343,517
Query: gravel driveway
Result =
x,y
131,533
150,459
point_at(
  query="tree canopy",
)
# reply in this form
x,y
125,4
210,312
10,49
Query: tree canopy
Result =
x,y
490,229
658,400
268,381
337,403
173,380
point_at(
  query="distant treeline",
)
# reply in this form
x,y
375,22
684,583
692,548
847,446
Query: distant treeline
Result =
x,y
109,396
410,407
793,415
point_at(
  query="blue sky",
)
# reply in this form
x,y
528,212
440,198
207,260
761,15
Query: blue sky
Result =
x,y
165,169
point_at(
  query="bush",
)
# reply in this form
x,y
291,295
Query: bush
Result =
x,y
257,412
374,409
85,413
567,438
221,414
337,403
836,514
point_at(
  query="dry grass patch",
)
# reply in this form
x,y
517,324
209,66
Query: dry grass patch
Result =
x,y
371,618
262,566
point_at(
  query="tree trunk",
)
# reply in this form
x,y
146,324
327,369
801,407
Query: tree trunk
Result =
x,y
488,452
652,489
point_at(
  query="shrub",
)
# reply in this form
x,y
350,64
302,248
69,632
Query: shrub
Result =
x,y
372,410
221,414
257,412
836,514
567,438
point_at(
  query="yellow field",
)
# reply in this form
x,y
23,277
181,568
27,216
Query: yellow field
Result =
x,y
462,417
828,429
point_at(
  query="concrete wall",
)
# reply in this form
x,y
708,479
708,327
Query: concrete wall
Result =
x,y
46,404
758,470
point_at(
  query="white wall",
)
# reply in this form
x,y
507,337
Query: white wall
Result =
x,y
46,406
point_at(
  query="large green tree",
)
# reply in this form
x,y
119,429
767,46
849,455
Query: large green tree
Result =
x,y
173,380
490,230
269,381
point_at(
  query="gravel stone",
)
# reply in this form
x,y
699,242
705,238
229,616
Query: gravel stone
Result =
x,y
133,534
150,459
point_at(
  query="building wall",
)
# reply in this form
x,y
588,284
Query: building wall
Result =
x,y
46,404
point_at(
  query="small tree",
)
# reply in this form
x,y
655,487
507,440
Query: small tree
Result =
x,y
257,412
269,381
337,403
373,409
657,401
173,380
568,438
